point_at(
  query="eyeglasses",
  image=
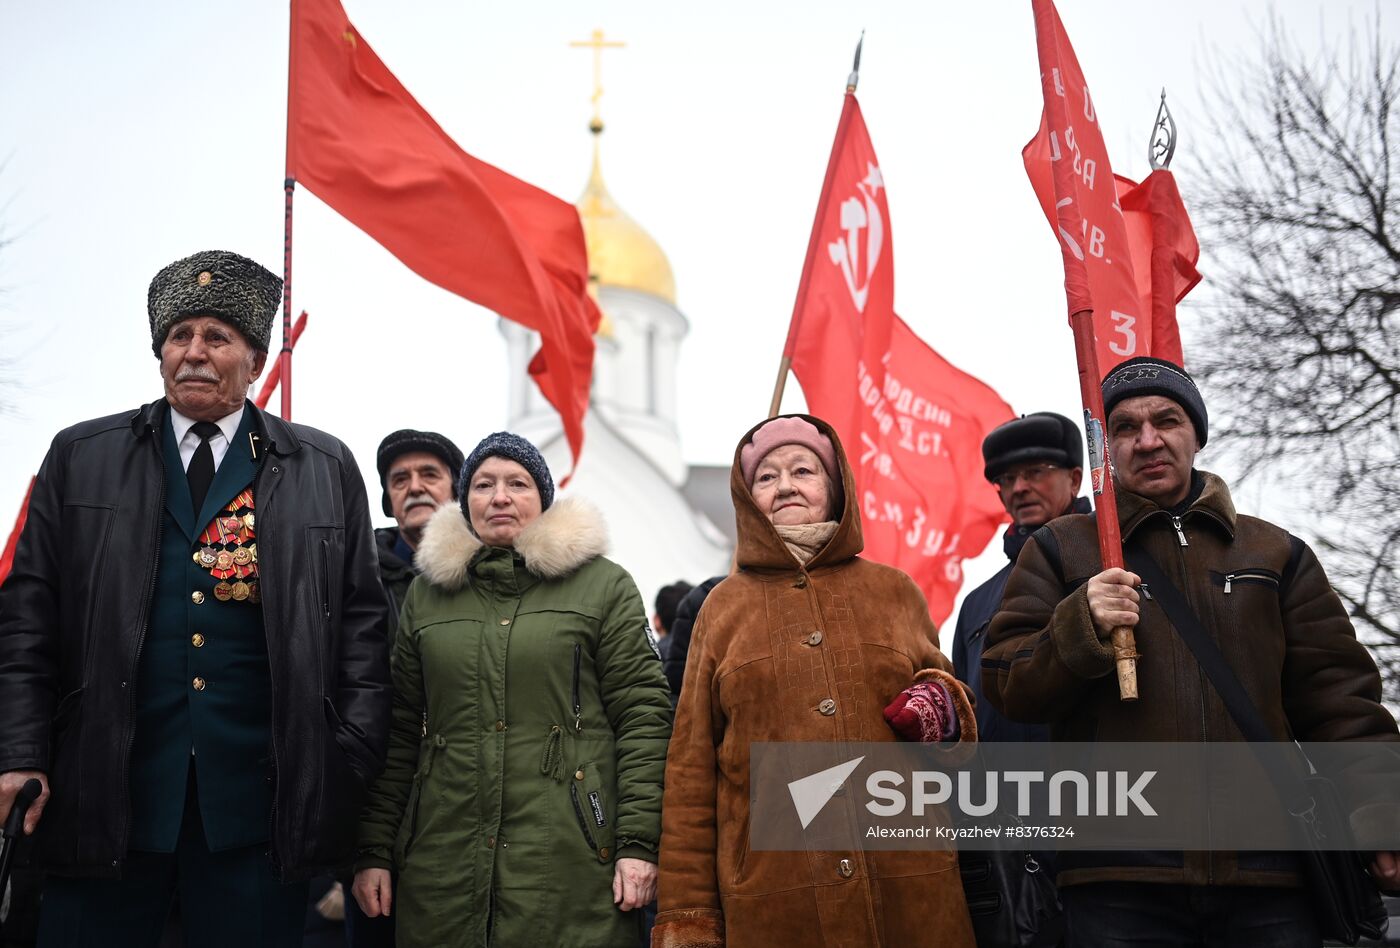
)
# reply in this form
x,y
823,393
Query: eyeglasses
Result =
x,y
1033,474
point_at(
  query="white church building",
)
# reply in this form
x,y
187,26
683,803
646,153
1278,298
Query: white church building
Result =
x,y
667,520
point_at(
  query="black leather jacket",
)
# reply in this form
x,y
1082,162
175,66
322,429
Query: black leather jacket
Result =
x,y
74,611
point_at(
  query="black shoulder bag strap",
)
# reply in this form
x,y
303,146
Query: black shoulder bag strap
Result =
x,y
1198,640
1346,898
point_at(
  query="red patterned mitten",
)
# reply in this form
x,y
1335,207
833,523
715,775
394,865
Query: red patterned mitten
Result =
x,y
923,712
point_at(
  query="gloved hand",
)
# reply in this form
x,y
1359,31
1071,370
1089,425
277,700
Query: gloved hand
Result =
x,y
923,712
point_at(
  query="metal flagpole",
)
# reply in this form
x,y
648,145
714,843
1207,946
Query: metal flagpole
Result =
x,y
284,359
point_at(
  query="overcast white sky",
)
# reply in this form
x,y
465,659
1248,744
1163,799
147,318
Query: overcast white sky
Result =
x,y
138,133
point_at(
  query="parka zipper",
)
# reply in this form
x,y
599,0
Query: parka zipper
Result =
x,y
1202,684
578,813
578,706
1262,576
158,535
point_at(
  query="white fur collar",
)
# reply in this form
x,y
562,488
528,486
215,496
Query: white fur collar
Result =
x,y
566,536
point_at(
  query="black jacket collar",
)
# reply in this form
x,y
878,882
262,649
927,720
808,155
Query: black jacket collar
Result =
x,y
277,436
1016,537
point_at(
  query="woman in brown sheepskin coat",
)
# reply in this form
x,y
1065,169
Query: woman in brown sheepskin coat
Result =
x,y
805,642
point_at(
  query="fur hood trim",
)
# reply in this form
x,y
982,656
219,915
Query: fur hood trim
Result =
x,y
563,538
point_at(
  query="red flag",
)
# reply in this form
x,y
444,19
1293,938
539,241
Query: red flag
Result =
x,y
274,372
924,502
1164,251
366,147
7,558
844,313
1069,169
912,424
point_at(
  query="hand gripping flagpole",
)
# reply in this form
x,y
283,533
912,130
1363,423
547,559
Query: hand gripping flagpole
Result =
x,y
1125,654
836,149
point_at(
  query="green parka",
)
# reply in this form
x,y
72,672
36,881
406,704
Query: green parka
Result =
x,y
529,737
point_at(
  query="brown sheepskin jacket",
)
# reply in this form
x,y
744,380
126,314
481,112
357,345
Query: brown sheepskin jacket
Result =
x,y
786,653
1265,599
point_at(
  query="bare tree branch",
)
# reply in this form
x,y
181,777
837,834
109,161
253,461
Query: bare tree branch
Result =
x,y
1299,210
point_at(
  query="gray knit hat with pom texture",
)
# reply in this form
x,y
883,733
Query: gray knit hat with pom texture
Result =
x,y
512,447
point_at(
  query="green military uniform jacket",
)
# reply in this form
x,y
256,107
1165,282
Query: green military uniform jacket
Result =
x,y
528,744
203,686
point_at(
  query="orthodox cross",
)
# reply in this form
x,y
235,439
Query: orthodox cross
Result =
x,y
597,44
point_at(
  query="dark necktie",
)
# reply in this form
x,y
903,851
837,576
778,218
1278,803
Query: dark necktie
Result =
x,y
201,470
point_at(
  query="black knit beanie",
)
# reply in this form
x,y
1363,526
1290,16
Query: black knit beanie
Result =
x,y
407,440
1145,375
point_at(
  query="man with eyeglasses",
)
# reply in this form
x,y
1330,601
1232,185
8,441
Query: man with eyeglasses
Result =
x,y
1035,464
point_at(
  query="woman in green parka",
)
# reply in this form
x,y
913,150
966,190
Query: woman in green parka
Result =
x,y
521,803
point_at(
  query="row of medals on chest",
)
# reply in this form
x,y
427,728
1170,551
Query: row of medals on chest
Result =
x,y
229,552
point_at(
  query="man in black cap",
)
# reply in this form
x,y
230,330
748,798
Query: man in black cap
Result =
x,y
418,472
193,659
1266,603
1035,463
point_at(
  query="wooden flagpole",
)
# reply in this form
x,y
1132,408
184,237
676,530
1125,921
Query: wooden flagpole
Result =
x,y
1125,654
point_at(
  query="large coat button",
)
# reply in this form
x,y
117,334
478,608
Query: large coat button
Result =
x,y
845,868
199,684
197,640
196,597
815,638
827,707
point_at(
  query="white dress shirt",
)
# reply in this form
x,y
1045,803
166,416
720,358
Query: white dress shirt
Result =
x,y
188,441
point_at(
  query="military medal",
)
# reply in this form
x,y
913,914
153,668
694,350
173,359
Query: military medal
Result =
x,y
227,550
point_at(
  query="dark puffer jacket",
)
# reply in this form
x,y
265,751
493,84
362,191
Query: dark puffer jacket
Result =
x,y
73,614
1275,618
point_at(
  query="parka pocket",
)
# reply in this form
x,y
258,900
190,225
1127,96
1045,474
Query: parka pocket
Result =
x,y
408,827
588,792
1256,575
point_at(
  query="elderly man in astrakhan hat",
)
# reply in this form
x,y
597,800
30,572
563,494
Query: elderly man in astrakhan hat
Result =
x,y
192,643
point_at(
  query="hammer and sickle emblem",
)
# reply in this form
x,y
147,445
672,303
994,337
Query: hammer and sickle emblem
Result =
x,y
860,214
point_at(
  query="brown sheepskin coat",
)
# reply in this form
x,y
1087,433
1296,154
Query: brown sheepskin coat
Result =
x,y
772,643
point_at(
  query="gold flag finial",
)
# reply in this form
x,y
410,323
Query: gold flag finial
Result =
x,y
597,44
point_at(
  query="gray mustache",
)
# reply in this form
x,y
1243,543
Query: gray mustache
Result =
x,y
420,502
202,375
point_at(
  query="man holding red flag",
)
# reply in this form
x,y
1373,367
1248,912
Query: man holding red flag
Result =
x,y
914,423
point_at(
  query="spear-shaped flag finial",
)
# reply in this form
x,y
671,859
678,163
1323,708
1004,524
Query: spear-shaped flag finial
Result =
x,y
854,78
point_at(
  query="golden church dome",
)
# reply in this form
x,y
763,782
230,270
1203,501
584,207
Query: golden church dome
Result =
x,y
620,252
